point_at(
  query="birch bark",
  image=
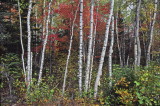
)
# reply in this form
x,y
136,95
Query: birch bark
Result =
x,y
151,33
89,46
44,44
110,54
93,47
137,47
69,51
80,46
103,50
29,45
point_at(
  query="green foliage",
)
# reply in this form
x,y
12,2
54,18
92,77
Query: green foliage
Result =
x,y
143,89
88,94
103,1
20,89
10,64
119,72
42,93
147,86
11,61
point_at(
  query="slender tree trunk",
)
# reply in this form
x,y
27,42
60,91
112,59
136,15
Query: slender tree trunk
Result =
x,y
44,19
29,45
69,51
151,34
93,48
129,46
89,46
44,44
80,46
103,50
84,52
118,45
137,47
21,39
110,54
31,66
135,52
139,51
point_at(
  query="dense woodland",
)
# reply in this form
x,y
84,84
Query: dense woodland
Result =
x,y
80,52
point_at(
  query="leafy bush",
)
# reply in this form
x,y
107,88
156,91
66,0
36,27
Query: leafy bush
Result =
x,y
147,86
9,71
11,63
143,89
42,93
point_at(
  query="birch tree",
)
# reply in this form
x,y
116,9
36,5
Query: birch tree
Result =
x,y
21,39
137,46
110,53
93,47
103,50
69,51
80,46
29,45
89,46
44,43
151,33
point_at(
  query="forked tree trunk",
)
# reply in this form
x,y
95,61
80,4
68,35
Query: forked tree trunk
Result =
x,y
80,47
21,39
103,50
44,44
69,51
110,54
89,46
29,45
151,34
93,48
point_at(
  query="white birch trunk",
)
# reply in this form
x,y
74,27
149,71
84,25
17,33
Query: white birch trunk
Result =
x,y
69,52
137,48
151,34
93,49
80,47
103,50
110,54
135,52
89,46
44,44
139,52
21,39
92,57
29,45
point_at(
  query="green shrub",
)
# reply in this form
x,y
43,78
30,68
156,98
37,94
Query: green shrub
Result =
x,y
147,86
138,87
42,93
